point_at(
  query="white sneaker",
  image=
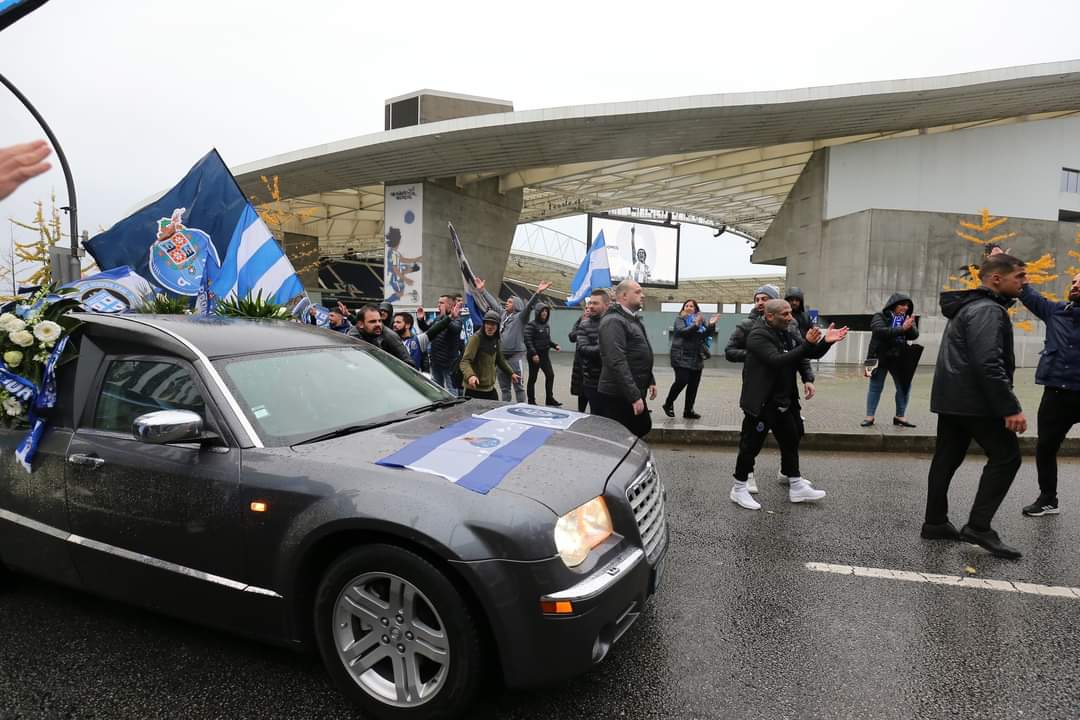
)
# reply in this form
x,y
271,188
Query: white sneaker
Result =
x,y
802,491
741,496
751,484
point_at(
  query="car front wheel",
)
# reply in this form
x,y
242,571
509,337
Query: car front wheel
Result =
x,y
396,636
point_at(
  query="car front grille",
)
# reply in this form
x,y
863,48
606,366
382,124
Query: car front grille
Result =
x,y
646,496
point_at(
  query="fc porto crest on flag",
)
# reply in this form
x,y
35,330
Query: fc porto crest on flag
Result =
x,y
178,256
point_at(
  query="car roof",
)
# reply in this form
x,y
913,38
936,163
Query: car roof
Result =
x,y
216,336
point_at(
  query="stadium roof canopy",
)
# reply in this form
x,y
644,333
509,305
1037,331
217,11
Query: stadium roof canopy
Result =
x,y
728,159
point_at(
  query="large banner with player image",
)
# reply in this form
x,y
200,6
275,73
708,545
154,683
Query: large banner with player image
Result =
x,y
403,233
647,252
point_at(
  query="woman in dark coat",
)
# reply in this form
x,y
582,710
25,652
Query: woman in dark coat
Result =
x,y
688,336
890,332
538,347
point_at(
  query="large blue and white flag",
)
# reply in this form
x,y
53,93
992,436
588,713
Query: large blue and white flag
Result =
x,y
474,453
201,233
594,272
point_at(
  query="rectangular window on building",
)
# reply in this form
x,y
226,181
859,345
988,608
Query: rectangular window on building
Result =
x,y
1070,180
729,308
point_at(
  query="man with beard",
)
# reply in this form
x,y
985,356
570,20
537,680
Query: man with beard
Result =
x,y
418,344
736,352
797,301
1059,374
626,360
369,328
770,398
973,397
587,348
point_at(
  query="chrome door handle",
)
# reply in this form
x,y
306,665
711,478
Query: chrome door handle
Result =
x,y
88,460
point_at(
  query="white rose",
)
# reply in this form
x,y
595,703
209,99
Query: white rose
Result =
x,y
10,323
13,358
13,406
22,338
47,331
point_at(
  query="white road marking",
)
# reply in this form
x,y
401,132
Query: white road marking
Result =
x,y
952,580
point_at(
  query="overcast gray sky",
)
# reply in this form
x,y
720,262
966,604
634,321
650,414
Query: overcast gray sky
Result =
x,y
138,91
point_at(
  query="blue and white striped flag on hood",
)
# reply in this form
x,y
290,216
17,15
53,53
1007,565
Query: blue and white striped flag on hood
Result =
x,y
201,234
474,453
592,274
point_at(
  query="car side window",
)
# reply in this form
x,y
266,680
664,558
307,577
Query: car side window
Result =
x,y
135,387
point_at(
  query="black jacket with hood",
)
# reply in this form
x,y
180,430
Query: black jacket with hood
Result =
x,y
802,318
736,347
886,340
975,364
538,332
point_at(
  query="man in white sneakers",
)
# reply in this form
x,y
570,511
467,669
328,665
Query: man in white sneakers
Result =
x,y
770,398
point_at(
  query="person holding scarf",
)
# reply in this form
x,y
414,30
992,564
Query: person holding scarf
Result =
x,y
891,330
688,340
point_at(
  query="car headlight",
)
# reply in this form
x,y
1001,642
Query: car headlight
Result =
x,y
580,530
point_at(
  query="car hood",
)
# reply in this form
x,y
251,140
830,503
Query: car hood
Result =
x,y
569,469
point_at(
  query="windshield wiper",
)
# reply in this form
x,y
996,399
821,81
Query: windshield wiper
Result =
x,y
438,405
350,429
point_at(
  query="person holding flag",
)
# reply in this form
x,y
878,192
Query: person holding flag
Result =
x,y
594,273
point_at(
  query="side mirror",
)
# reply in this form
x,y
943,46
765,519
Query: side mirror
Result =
x,y
168,426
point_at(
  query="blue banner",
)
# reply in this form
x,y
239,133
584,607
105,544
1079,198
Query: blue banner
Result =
x,y
43,398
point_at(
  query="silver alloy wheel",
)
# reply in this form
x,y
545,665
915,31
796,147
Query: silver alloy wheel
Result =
x,y
391,639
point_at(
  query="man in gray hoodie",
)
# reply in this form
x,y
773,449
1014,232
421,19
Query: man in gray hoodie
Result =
x,y
515,315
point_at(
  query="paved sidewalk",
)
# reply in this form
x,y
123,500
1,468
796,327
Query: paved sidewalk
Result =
x,y
832,417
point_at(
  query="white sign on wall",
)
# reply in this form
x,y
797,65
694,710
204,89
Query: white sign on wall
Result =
x,y
403,234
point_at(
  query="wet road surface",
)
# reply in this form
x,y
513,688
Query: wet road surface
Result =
x,y
740,627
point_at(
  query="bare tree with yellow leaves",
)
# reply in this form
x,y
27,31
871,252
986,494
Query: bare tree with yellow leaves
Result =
x,y
32,256
988,233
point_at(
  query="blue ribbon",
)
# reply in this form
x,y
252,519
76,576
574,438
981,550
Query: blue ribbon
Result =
x,y
42,398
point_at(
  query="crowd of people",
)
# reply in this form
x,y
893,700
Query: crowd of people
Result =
x,y
972,392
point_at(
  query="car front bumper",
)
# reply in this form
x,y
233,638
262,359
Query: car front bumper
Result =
x,y
538,648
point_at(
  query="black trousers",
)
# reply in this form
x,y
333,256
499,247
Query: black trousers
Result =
x,y
1058,412
596,405
684,378
755,428
582,401
534,372
954,436
616,408
482,394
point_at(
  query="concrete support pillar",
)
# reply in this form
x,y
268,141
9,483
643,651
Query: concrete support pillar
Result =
x,y
485,220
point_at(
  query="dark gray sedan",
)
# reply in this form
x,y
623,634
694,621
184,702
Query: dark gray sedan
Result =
x,y
225,471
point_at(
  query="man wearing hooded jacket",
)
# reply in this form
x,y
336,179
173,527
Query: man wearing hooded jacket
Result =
x,y
797,301
890,332
515,315
973,398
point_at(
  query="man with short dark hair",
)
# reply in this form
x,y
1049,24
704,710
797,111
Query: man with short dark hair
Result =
x,y
587,349
419,344
626,359
446,347
972,395
1059,374
770,398
369,328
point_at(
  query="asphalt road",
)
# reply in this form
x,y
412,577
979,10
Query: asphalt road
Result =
x,y
740,627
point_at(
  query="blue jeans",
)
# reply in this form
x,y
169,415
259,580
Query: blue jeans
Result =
x,y
444,377
877,385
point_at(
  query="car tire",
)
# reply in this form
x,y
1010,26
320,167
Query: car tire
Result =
x,y
396,637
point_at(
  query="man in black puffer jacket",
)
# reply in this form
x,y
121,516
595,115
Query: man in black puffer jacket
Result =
x,y
587,348
538,347
446,347
973,398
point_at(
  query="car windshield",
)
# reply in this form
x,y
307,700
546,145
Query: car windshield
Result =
x,y
293,396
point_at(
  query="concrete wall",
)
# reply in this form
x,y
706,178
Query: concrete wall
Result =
x,y
1014,170
485,220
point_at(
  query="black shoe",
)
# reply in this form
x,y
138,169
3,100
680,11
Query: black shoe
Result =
x,y
866,423
669,411
1041,507
553,403
901,423
939,531
989,539
691,415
